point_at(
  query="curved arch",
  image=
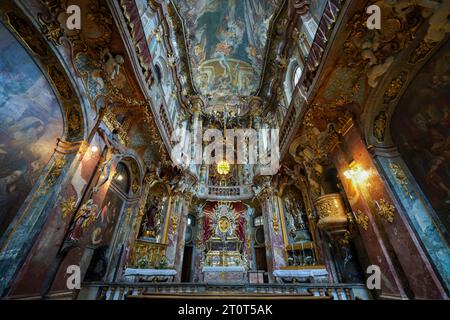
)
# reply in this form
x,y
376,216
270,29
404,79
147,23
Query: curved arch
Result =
x,y
417,177
43,110
290,82
54,69
136,173
384,99
35,207
420,127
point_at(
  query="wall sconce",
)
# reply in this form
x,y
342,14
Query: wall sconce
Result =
x,y
356,173
94,148
119,177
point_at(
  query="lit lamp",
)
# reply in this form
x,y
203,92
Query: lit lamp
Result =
x,y
94,148
356,173
223,167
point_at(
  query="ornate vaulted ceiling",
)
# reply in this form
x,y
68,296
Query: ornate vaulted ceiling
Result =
x,y
226,42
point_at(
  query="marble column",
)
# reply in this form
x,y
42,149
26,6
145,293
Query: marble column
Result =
x,y
273,234
199,247
176,232
416,207
383,225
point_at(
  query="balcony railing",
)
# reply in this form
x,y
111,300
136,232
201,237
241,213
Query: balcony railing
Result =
x,y
333,11
243,192
122,291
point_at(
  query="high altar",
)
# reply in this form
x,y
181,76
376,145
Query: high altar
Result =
x,y
224,261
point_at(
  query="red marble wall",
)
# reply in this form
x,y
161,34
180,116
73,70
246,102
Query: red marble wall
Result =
x,y
31,277
392,246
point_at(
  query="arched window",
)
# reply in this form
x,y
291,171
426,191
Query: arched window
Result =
x,y
158,73
296,76
122,178
292,77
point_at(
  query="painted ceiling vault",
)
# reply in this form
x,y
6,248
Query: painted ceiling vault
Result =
x,y
226,42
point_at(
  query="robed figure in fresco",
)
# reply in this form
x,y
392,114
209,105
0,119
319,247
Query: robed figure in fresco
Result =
x,y
83,219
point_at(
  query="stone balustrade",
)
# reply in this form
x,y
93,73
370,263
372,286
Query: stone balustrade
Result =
x,y
243,192
122,291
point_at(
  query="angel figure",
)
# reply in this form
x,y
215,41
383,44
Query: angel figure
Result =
x,y
112,64
105,167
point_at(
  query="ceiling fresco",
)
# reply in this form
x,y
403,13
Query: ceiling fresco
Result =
x,y
226,41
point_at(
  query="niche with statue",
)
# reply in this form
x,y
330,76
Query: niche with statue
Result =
x,y
151,221
299,242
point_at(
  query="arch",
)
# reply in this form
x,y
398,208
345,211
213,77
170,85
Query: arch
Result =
x,y
134,168
115,219
40,110
30,124
163,75
410,88
293,75
54,69
420,127
398,94
36,206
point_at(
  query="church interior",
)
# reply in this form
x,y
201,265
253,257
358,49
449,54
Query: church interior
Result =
x,y
224,148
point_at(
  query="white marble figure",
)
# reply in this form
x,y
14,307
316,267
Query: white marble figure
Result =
x,y
112,64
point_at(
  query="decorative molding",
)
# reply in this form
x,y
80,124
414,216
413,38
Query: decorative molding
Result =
x,y
385,210
68,206
401,178
362,219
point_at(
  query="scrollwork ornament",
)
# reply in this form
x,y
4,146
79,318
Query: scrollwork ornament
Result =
x,y
275,223
68,206
401,178
362,219
385,210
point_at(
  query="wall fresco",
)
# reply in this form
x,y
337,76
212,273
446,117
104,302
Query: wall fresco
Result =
x,y
30,123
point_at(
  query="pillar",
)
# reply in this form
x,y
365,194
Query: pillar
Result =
x,y
273,233
383,224
416,208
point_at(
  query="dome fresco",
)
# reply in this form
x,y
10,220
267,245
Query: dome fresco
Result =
x,y
226,44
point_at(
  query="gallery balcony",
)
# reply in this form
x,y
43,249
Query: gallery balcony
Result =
x,y
208,192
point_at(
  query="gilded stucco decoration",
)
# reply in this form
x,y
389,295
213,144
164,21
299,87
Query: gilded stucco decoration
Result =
x,y
385,210
374,51
362,219
401,178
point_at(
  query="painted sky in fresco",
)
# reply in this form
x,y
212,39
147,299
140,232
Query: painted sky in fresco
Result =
x,y
226,43
30,123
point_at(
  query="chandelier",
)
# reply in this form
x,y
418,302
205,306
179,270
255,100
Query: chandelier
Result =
x,y
223,167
